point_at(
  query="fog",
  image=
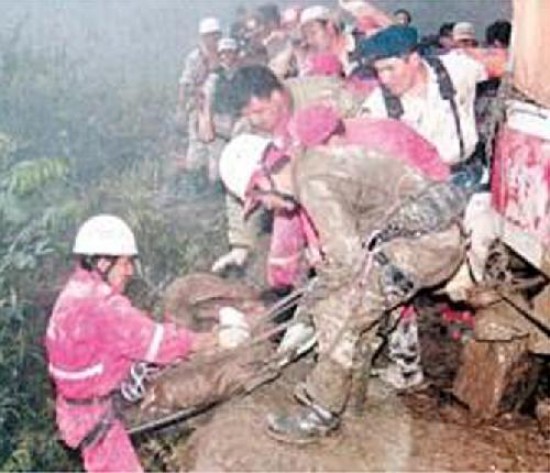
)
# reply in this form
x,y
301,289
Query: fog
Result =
x,y
128,40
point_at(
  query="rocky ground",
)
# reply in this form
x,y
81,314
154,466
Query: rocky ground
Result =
x,y
424,430
421,431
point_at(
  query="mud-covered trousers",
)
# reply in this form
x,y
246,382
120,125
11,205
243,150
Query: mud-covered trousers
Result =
x,y
343,307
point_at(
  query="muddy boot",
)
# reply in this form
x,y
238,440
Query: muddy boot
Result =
x,y
309,425
401,380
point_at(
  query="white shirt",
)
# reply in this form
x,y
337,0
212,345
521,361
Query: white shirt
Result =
x,y
431,115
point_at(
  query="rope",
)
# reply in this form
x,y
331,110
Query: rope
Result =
x,y
269,368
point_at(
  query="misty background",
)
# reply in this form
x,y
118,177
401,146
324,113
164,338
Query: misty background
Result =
x,y
87,104
146,40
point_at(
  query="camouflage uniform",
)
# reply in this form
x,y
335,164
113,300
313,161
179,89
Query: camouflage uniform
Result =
x,y
217,96
193,77
348,193
307,91
304,92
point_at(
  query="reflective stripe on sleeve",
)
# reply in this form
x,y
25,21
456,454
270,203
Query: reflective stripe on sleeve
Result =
x,y
90,372
283,260
153,350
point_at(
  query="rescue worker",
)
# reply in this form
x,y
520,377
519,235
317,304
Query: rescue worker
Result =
x,y
199,63
217,107
498,34
322,34
94,337
266,105
318,125
434,96
464,35
345,192
253,50
277,42
494,58
445,37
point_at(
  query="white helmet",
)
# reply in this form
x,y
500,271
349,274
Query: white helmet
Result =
x,y
239,159
314,13
105,235
209,25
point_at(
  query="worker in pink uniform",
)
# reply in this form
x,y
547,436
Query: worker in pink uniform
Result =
x,y
95,336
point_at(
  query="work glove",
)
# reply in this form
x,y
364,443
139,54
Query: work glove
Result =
x,y
298,339
236,257
234,329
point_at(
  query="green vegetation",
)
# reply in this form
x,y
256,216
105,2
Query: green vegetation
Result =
x,y
71,147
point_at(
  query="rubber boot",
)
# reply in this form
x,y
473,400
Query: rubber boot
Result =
x,y
309,425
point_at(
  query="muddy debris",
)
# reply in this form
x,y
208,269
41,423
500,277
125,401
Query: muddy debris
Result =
x,y
425,430
497,372
207,379
196,299
391,436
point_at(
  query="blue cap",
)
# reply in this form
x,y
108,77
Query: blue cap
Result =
x,y
394,41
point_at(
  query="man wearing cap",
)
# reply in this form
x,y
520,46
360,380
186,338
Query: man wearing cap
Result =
x,y
344,192
494,59
464,35
198,65
277,42
266,106
218,116
322,34
434,97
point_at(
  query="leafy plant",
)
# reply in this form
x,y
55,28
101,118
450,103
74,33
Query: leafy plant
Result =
x,y
72,145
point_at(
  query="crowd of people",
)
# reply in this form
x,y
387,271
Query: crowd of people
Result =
x,y
329,106
362,140
296,43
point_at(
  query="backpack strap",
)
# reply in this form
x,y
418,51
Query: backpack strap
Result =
x,y
394,106
448,92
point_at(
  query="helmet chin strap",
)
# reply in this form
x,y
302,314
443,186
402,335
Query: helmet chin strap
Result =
x,y
104,273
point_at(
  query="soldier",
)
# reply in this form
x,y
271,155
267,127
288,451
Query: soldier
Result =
x,y
218,117
198,65
434,96
266,106
345,192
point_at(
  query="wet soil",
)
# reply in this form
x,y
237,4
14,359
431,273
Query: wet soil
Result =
x,y
424,430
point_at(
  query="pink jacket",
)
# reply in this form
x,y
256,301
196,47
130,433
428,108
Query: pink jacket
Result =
x,y
93,338
396,139
293,234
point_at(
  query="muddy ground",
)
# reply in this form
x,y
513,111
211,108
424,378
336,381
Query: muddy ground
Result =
x,y
424,430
